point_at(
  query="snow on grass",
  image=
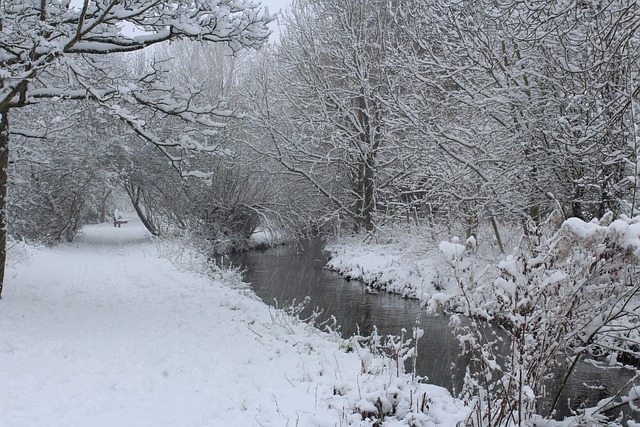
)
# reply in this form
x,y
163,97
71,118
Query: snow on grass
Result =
x,y
403,267
118,330
412,262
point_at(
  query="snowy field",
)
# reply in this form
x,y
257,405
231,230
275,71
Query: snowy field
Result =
x,y
119,330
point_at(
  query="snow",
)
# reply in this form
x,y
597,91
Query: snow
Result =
x,y
508,286
509,266
405,265
625,231
121,330
452,252
411,263
264,237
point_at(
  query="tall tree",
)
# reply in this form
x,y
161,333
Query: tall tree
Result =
x,y
325,106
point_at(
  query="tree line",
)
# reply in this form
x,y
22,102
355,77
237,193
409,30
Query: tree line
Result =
x,y
480,110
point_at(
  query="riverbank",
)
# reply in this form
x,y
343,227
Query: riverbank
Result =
x,y
592,265
118,329
407,261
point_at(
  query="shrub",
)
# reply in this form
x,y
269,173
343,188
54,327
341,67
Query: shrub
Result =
x,y
566,293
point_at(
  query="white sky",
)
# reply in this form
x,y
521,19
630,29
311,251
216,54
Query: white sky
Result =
x,y
274,7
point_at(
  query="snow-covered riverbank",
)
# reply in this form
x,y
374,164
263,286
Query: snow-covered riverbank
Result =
x,y
403,262
565,272
409,260
117,330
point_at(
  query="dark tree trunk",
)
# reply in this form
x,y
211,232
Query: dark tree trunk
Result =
x,y
145,219
4,175
369,194
576,203
365,181
365,202
135,194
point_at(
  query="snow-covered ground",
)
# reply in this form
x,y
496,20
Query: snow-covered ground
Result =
x,y
402,263
407,261
119,330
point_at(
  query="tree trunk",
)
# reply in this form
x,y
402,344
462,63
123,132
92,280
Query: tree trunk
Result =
x,y
365,181
145,219
103,207
576,203
135,193
365,204
494,224
4,175
369,193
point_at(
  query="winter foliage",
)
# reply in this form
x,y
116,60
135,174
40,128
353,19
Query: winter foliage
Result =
x,y
566,294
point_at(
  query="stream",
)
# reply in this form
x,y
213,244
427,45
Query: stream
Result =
x,y
287,273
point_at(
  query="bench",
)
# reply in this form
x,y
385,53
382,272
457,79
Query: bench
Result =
x,y
118,222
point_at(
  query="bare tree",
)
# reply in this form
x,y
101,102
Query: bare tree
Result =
x,y
324,105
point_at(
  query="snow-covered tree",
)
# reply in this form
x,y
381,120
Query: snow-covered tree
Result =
x,y
56,50
59,180
535,100
325,109
592,69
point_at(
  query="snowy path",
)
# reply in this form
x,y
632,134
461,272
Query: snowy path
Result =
x,y
105,332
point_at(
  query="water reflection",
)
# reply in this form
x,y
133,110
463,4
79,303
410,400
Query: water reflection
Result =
x,y
286,273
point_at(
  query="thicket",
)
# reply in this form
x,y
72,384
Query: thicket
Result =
x,y
568,294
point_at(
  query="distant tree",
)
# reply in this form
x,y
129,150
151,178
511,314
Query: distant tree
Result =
x,y
323,106
58,174
56,50
236,197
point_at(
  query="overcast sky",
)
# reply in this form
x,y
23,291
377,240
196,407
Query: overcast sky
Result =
x,y
274,7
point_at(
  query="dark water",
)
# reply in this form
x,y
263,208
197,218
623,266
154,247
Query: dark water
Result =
x,y
289,273
286,273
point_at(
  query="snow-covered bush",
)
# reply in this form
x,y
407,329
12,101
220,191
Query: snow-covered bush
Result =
x,y
566,294
384,392
388,391
394,351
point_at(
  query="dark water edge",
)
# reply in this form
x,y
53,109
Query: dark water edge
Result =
x,y
286,273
